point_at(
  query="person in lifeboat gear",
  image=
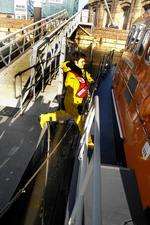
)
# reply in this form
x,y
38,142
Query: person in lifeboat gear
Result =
x,y
77,83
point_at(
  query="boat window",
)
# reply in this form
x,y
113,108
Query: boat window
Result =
x,y
144,43
130,36
147,56
130,89
138,39
137,34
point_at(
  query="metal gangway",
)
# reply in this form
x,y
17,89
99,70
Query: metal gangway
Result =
x,y
47,52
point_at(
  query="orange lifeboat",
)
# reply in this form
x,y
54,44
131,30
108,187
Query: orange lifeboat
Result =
x,y
132,94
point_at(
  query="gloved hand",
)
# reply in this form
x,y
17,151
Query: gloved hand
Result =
x,y
80,109
64,66
83,107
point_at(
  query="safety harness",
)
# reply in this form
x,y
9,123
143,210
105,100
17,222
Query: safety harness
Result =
x,y
83,88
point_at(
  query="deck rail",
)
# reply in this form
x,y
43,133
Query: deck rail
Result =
x,y
89,177
16,43
37,81
88,194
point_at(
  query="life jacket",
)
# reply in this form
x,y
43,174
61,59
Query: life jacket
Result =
x,y
83,88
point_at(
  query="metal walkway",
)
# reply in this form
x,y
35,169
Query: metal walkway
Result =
x,y
19,137
121,202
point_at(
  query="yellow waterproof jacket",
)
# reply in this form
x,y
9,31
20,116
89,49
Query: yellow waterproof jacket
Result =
x,y
86,74
71,100
72,85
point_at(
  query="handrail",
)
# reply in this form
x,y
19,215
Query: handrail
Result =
x,y
104,64
20,73
26,37
33,83
17,42
34,24
88,169
97,200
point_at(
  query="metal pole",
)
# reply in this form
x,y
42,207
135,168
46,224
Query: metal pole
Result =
x,y
37,10
55,61
21,94
96,205
78,204
48,152
61,59
50,72
43,81
34,86
106,4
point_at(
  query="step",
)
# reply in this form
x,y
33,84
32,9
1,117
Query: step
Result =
x,y
120,201
120,197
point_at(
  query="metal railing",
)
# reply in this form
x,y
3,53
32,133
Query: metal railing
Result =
x,y
38,77
16,43
89,173
104,64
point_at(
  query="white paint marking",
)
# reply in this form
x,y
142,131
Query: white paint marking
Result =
x,y
4,163
2,134
13,150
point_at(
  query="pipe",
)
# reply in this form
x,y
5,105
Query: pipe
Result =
x,y
107,8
